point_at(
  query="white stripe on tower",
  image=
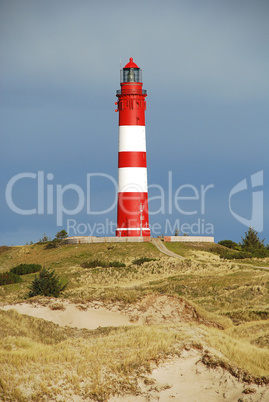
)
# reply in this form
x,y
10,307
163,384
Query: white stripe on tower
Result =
x,y
132,179
132,138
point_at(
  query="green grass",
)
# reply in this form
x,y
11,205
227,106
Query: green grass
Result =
x,y
103,264
217,286
69,255
142,260
187,249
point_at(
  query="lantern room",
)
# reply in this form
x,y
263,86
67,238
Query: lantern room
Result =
x,y
131,73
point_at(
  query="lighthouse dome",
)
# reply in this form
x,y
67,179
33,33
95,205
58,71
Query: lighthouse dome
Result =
x,y
131,64
131,72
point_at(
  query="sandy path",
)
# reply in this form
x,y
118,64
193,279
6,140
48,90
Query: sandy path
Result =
x,y
74,317
256,266
161,247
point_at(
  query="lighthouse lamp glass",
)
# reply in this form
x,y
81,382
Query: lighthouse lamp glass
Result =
x,y
131,75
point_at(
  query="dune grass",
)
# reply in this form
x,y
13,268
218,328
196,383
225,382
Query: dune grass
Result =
x,y
224,287
255,332
39,358
240,352
60,361
211,252
73,254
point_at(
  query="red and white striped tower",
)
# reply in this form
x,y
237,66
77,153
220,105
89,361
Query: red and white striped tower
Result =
x,y
132,210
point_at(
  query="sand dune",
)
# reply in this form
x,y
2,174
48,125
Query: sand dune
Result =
x,y
187,379
72,316
184,378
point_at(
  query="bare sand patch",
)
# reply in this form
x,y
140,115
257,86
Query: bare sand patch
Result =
x,y
162,309
150,310
187,379
73,316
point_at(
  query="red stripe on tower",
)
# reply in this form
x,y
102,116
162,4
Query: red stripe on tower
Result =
x,y
132,211
132,159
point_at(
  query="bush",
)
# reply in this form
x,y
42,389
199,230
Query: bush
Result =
x,y
57,241
24,269
47,283
229,244
7,278
251,246
252,243
116,264
98,263
44,239
140,261
227,255
93,264
61,235
53,244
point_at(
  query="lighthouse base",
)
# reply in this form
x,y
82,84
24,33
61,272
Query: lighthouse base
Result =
x,y
132,232
132,213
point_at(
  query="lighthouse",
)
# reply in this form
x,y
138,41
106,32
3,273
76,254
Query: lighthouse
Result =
x,y
132,208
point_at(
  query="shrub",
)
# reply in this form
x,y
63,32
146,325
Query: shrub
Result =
x,y
61,235
57,241
251,246
116,264
260,253
140,261
252,243
8,278
229,244
229,255
98,263
44,239
53,244
47,283
93,264
24,269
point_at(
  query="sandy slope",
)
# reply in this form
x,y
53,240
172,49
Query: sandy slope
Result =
x,y
152,309
184,378
72,316
187,379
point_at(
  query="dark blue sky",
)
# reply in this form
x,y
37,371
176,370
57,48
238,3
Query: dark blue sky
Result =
x,y
205,67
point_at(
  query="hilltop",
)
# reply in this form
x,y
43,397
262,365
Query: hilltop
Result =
x,y
148,309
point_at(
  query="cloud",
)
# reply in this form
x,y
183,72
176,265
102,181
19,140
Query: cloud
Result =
x,y
215,49
205,66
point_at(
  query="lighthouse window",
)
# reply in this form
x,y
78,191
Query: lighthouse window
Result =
x,y
131,75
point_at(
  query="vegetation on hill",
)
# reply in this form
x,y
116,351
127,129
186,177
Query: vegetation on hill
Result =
x,y
250,247
252,244
47,283
13,276
104,264
24,269
6,278
233,294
